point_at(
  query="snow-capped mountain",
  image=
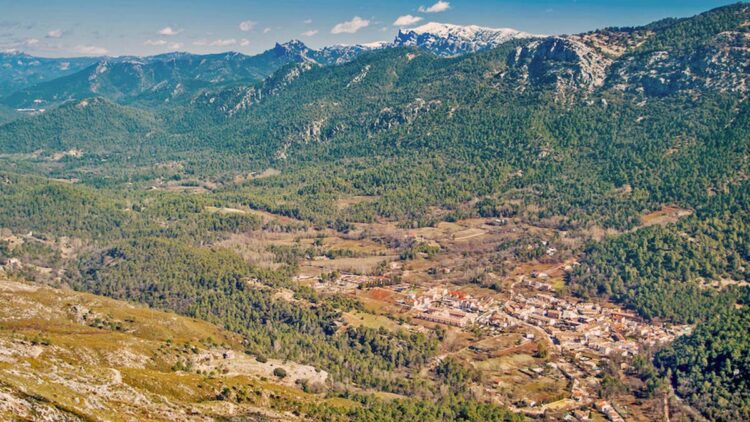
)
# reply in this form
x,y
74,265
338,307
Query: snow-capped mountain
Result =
x,y
338,54
330,55
450,40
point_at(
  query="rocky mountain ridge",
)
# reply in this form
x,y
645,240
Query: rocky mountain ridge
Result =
x,y
448,40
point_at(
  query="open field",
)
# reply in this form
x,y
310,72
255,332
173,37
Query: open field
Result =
x,y
664,216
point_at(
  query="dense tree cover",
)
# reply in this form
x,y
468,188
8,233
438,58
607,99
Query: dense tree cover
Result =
x,y
711,367
455,375
420,132
90,124
7,114
365,407
475,139
40,205
53,208
686,34
451,408
667,272
212,284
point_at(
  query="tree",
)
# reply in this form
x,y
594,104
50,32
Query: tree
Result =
x,y
279,372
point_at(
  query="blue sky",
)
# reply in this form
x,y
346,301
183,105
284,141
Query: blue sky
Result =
x,y
56,28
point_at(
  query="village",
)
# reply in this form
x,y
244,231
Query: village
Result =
x,y
580,335
573,326
540,350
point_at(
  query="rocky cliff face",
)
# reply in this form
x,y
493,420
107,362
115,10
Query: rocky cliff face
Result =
x,y
566,63
232,101
721,65
649,61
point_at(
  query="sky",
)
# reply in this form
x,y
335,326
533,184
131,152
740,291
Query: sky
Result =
x,y
66,28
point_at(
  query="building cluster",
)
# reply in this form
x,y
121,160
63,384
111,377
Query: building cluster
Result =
x,y
609,411
448,307
580,327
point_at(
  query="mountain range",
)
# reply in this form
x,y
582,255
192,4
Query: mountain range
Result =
x,y
627,58
27,82
448,40
18,70
308,104
706,53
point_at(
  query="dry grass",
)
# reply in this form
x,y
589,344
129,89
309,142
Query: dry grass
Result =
x,y
49,351
366,319
666,215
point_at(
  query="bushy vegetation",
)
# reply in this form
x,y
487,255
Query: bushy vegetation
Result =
x,y
212,285
711,367
667,272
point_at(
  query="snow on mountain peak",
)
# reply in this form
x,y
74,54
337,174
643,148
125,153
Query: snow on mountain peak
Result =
x,y
376,44
467,31
449,40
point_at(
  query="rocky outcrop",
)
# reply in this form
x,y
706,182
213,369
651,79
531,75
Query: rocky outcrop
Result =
x,y
235,100
390,117
722,65
565,63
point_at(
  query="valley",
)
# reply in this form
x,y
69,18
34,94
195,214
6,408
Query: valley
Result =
x,y
532,347
464,223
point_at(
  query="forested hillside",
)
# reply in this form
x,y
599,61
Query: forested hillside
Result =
x,y
664,272
710,367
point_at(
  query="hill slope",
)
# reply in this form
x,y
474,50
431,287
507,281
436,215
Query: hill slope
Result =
x,y
153,80
91,124
568,117
72,355
19,71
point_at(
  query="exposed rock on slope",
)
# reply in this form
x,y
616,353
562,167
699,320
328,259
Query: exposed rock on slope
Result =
x,y
566,63
73,356
721,65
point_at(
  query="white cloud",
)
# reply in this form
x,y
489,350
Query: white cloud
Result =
x,y
407,20
31,41
266,30
55,33
307,21
216,43
244,42
440,6
223,43
310,33
351,26
90,50
162,43
246,26
169,31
